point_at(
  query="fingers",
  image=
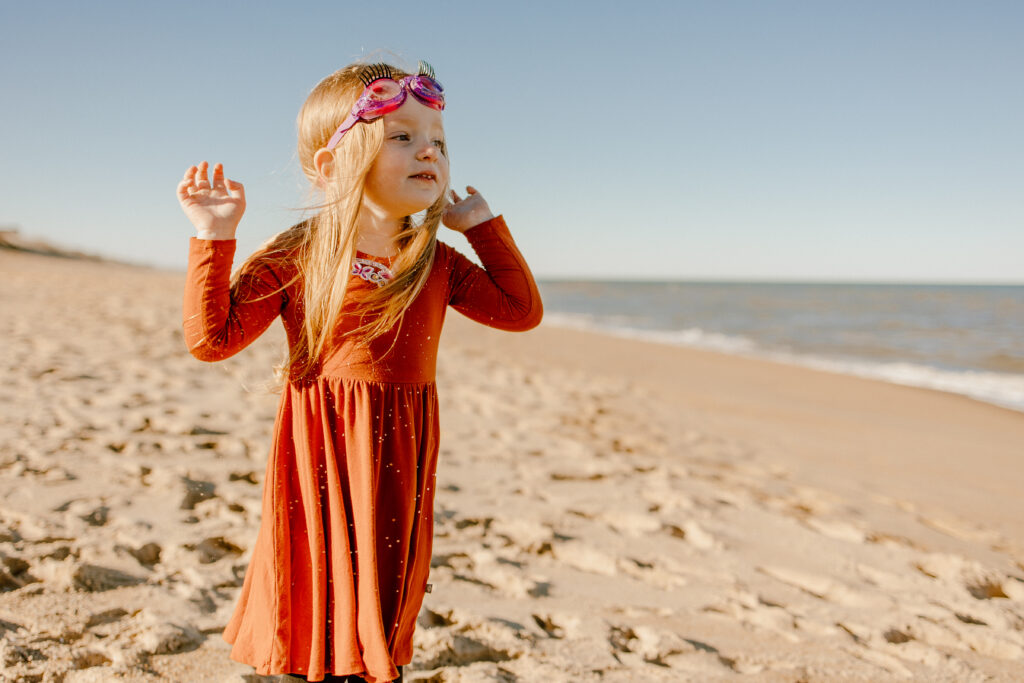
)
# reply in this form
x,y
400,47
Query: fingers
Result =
x,y
235,189
202,181
218,177
195,179
187,184
232,188
190,177
470,190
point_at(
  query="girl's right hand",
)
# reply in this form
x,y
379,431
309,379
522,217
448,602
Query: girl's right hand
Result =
x,y
215,210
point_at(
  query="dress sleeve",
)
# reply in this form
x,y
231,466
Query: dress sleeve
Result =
x,y
220,319
503,293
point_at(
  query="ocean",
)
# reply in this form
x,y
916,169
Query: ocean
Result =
x,y
965,339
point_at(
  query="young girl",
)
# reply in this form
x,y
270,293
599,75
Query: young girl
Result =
x,y
341,561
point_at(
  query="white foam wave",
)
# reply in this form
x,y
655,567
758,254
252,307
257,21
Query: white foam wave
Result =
x,y
1002,389
693,336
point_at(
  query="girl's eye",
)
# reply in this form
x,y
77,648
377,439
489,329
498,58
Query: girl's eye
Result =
x,y
440,145
400,136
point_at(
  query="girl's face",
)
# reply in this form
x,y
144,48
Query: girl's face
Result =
x,y
411,170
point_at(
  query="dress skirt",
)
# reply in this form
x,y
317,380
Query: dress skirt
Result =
x,y
345,550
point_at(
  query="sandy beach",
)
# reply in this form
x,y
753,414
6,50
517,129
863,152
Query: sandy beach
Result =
x,y
608,509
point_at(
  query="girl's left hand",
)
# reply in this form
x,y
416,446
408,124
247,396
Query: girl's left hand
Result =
x,y
463,214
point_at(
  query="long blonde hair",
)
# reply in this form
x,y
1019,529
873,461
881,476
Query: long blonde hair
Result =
x,y
323,247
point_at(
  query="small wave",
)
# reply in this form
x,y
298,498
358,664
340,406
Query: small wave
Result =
x,y
999,389
693,337
1002,389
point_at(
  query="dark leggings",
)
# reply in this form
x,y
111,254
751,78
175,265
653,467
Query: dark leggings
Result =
x,y
329,678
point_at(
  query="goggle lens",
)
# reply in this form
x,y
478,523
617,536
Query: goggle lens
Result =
x,y
382,89
428,91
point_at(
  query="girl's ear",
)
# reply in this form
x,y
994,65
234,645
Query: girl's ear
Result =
x,y
323,162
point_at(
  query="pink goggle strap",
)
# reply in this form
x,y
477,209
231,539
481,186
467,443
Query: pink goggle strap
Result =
x,y
345,127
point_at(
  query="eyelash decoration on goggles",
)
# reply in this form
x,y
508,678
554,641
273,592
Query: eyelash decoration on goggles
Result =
x,y
383,94
372,72
425,69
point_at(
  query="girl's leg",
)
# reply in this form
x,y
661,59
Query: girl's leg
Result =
x,y
296,678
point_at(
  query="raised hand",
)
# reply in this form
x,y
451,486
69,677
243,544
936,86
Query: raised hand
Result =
x,y
214,209
463,214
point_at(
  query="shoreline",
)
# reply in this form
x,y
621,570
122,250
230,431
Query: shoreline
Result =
x,y
765,400
962,381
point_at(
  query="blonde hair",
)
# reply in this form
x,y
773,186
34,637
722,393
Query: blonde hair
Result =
x,y
322,248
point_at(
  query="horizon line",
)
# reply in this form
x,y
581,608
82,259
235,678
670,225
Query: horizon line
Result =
x,y
47,248
781,281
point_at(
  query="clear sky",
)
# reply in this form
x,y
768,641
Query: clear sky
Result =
x,y
814,140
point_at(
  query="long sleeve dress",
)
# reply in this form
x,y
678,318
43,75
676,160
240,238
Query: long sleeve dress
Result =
x,y
340,565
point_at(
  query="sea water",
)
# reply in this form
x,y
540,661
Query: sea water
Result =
x,y
966,339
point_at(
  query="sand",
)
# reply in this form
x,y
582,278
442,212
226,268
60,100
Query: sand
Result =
x,y
608,510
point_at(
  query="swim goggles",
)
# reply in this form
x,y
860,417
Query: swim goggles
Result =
x,y
383,95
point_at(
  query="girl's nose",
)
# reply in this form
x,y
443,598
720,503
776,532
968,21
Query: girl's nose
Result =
x,y
428,151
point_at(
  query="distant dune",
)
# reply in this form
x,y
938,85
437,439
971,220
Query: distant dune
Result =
x,y
12,239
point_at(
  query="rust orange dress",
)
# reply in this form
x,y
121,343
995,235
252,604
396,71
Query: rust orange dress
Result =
x,y
339,568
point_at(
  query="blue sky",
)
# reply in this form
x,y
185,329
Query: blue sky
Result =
x,y
856,141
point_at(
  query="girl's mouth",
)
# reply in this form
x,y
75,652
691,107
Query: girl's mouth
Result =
x,y
424,176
